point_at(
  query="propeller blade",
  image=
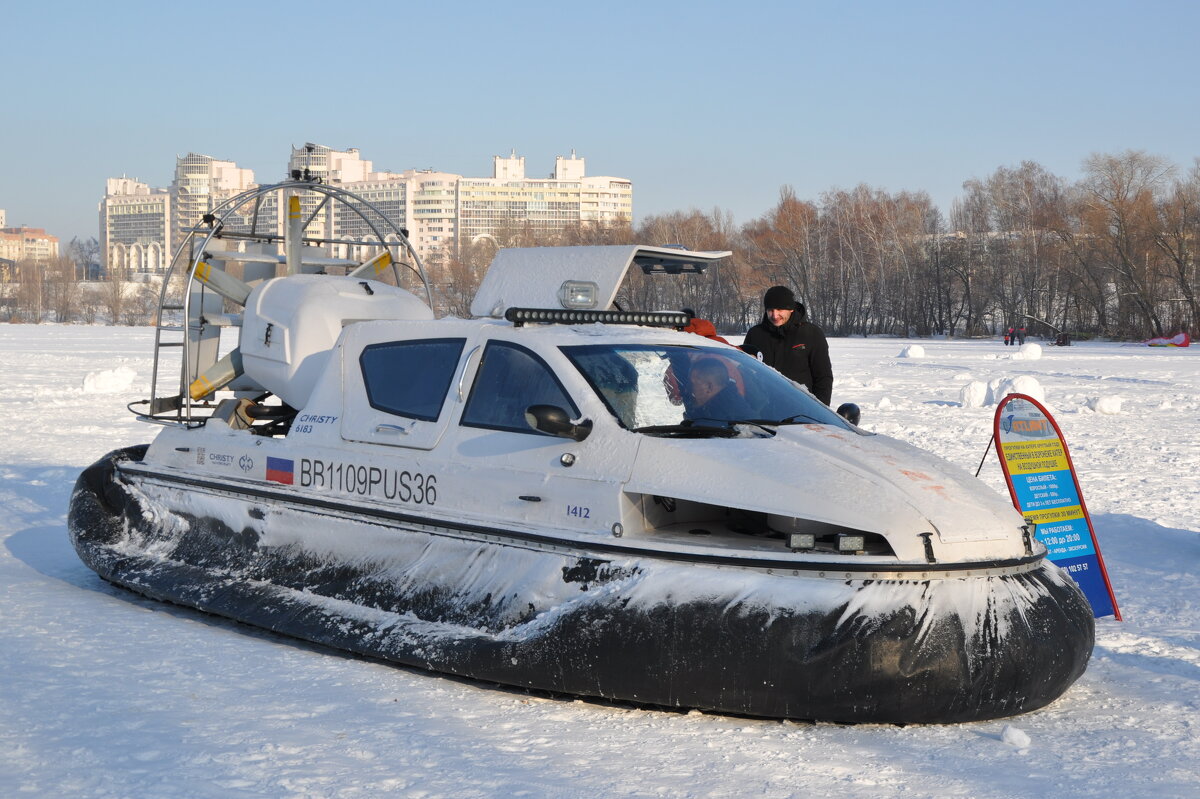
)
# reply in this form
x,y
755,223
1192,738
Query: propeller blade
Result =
x,y
217,376
293,241
376,264
223,283
308,258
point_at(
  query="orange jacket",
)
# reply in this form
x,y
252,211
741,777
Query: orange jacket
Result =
x,y
703,327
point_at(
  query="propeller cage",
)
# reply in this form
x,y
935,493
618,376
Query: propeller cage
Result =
x,y
261,233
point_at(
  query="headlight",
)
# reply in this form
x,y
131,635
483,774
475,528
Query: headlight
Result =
x,y
577,294
801,541
850,543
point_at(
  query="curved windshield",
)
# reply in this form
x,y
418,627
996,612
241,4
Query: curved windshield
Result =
x,y
652,388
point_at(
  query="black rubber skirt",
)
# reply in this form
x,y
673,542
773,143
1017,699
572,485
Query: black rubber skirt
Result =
x,y
639,629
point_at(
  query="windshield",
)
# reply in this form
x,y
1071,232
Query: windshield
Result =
x,y
648,386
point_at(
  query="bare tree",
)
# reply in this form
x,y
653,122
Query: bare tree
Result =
x,y
85,254
113,295
30,297
141,304
693,230
782,247
1120,192
1177,235
61,289
462,274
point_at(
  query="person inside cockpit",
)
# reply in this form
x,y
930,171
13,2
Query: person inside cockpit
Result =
x,y
713,396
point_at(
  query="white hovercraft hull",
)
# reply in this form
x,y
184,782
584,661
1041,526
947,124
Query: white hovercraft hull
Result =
x,y
757,637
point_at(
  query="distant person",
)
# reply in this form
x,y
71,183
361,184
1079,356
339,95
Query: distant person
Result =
x,y
1010,337
1006,337
714,396
1021,335
787,341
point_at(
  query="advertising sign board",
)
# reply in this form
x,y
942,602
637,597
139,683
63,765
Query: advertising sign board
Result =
x,y
1041,480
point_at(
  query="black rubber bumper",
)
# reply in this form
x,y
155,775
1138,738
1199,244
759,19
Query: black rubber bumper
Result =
x,y
773,646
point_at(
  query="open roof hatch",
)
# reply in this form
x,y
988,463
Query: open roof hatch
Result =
x,y
550,277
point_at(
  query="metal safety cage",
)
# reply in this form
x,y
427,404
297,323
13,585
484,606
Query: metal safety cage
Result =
x,y
183,314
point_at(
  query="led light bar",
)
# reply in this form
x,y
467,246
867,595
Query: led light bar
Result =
x,y
554,316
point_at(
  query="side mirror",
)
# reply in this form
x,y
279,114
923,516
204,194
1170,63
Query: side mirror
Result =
x,y
554,420
850,412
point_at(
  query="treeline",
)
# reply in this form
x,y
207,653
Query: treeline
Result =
x,y
1111,255
66,290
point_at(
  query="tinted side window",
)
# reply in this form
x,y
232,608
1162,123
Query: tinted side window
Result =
x,y
510,379
410,378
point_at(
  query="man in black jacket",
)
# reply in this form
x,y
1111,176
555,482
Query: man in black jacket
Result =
x,y
785,340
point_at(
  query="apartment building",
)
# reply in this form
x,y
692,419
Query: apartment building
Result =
x,y
27,243
507,204
141,226
440,210
135,226
202,183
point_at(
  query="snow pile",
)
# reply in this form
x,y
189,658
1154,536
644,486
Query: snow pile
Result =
x,y
912,351
1105,405
977,394
1031,351
974,394
1001,387
109,381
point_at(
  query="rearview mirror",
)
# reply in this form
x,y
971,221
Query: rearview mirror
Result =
x,y
554,421
850,412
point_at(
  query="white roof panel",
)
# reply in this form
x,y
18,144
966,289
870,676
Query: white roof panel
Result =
x,y
530,277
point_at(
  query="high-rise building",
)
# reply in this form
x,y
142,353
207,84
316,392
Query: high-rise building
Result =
x,y
324,164
440,210
141,226
201,184
433,216
135,226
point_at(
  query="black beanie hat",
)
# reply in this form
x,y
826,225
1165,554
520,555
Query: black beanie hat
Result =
x,y
780,298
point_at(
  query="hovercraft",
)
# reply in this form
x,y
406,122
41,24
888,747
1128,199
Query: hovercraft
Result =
x,y
536,497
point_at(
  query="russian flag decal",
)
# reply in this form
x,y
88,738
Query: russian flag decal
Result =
x,y
280,470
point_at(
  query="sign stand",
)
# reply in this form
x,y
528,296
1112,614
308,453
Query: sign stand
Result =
x,y
1044,488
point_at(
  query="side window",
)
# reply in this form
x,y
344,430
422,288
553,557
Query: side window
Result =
x,y
510,379
410,378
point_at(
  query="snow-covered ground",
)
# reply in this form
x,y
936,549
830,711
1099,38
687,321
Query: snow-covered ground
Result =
x,y
106,694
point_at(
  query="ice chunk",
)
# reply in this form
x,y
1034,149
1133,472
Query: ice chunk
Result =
x,y
1015,737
